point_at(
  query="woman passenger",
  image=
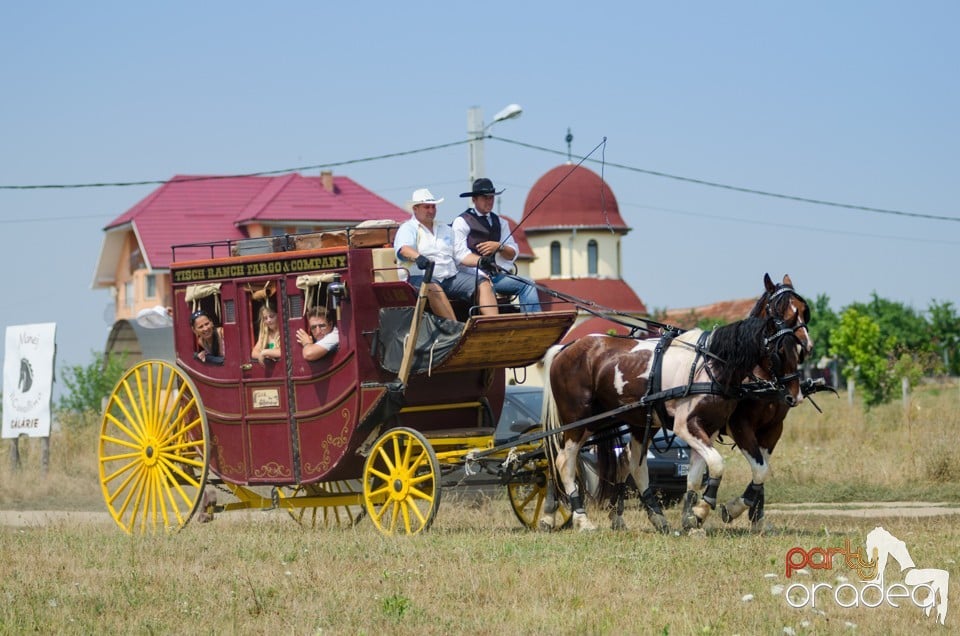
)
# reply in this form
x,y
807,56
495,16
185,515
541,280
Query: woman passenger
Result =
x,y
209,338
268,344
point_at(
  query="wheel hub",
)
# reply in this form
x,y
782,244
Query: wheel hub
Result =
x,y
151,453
399,487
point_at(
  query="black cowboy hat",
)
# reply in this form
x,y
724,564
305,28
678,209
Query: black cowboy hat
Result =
x,y
480,187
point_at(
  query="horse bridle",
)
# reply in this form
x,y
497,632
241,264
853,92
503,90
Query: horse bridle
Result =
x,y
772,345
800,322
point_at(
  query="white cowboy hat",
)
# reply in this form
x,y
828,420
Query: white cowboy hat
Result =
x,y
423,195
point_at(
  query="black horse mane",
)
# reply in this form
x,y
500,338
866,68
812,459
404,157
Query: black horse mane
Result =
x,y
739,346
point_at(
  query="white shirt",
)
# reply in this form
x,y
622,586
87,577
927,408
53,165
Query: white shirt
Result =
x,y
460,250
331,341
437,246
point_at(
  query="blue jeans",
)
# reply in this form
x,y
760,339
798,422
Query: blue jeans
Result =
x,y
515,286
459,287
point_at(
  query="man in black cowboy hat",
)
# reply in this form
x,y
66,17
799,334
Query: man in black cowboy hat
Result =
x,y
481,238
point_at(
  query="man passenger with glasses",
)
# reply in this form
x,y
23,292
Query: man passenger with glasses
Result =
x,y
323,337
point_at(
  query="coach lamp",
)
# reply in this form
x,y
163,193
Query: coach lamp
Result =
x,y
337,291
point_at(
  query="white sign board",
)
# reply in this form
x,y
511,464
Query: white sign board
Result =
x,y
28,379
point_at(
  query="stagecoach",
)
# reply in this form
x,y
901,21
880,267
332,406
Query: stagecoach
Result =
x,y
370,430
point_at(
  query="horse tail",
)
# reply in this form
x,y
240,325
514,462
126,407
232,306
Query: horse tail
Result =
x,y
549,416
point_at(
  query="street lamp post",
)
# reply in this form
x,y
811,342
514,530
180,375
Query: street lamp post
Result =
x,y
476,132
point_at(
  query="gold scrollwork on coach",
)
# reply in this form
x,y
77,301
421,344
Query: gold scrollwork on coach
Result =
x,y
273,469
225,468
331,442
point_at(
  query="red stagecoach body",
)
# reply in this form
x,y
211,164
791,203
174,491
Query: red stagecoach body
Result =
x,y
294,422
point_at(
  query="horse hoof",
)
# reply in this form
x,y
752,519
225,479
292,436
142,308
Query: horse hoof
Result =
x,y
545,525
616,521
691,522
659,523
697,533
727,518
582,523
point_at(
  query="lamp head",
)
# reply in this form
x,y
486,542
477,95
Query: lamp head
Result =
x,y
511,111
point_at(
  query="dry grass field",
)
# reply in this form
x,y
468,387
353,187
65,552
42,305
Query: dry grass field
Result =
x,y
477,570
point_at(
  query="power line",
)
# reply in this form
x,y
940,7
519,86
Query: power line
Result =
x,y
263,173
348,162
713,184
803,228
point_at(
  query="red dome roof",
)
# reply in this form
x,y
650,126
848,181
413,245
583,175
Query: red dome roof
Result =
x,y
581,200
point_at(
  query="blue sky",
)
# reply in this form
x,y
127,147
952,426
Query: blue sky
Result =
x,y
855,103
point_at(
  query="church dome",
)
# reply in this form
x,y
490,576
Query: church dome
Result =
x,y
582,200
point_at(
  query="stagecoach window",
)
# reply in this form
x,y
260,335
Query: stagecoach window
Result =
x,y
592,257
314,288
229,311
555,258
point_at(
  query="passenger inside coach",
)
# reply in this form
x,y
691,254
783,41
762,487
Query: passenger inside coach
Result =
x,y
323,338
209,345
268,342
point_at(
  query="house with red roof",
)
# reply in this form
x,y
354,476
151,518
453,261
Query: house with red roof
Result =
x,y
135,256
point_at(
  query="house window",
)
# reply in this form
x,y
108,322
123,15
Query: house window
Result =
x,y
128,294
592,257
151,285
278,231
555,258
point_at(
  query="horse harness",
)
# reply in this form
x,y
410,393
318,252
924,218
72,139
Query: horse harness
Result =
x,y
656,397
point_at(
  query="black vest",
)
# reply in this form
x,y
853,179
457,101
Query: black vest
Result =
x,y
479,232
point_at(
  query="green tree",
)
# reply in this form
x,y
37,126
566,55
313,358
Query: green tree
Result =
x,y
857,341
945,334
823,321
86,386
902,327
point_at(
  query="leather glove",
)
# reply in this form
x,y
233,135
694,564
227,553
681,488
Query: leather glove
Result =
x,y
423,262
487,264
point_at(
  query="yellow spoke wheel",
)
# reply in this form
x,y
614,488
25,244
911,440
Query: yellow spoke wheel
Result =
x,y
534,490
153,449
401,482
328,515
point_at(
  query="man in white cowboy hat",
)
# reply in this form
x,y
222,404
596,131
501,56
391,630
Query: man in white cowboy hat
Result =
x,y
422,240
482,238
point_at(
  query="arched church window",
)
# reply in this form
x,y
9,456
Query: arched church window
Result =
x,y
592,257
555,258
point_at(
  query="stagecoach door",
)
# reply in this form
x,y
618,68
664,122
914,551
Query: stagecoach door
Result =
x,y
267,431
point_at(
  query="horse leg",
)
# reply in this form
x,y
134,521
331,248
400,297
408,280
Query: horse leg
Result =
x,y
752,497
648,498
567,471
624,468
548,516
696,508
694,477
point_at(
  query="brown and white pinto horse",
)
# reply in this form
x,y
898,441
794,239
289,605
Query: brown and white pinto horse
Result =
x,y
599,373
757,423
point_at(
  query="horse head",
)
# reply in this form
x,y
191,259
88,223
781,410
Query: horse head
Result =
x,y
759,348
783,358
782,301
